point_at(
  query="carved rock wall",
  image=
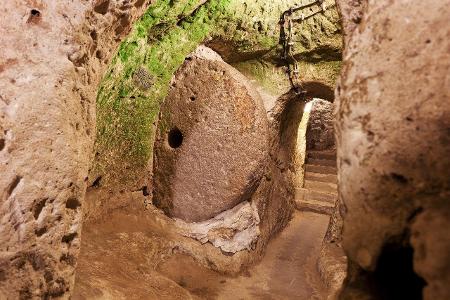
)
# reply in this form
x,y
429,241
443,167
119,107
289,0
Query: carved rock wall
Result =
x,y
320,129
53,56
392,131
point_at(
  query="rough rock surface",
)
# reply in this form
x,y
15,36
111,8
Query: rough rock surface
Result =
x,y
53,56
393,132
124,251
320,130
351,12
137,82
231,231
252,30
332,266
250,40
212,142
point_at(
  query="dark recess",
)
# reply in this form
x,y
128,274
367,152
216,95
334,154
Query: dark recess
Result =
x,y
175,138
101,7
35,13
395,277
145,191
96,182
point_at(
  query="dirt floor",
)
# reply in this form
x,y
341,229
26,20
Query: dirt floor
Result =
x,y
130,256
287,271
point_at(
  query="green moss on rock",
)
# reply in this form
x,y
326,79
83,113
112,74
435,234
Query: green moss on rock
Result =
x,y
273,79
252,27
126,112
250,40
138,78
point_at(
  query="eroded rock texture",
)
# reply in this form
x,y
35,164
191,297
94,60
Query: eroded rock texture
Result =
x,y
250,39
320,130
393,137
351,12
53,55
212,142
253,30
232,231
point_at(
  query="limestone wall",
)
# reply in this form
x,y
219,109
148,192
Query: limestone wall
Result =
x,y
320,130
53,56
78,110
393,145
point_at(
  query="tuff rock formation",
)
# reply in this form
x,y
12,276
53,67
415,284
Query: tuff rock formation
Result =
x,y
320,130
232,231
53,56
81,87
393,125
212,144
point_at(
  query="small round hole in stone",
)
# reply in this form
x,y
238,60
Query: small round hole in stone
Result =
x,y
35,13
175,138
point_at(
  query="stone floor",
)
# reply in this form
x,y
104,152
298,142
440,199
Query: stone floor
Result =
x,y
287,271
119,256
289,268
132,251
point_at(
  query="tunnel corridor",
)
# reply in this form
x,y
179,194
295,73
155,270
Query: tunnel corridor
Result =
x,y
224,149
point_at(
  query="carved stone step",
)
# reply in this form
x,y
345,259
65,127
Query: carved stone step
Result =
x,y
327,154
321,177
320,169
315,206
321,186
321,162
306,194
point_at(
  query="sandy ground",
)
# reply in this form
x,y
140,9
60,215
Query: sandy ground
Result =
x,y
130,256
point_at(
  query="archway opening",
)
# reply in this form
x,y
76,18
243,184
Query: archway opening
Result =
x,y
316,180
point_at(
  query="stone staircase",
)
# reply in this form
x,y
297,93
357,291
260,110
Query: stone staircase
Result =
x,y
319,193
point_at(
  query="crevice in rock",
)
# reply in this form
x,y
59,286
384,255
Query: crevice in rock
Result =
x,y
96,182
72,203
68,238
38,207
12,186
102,6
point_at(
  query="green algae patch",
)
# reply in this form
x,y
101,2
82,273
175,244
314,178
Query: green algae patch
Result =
x,y
252,27
246,32
273,79
326,72
137,82
250,37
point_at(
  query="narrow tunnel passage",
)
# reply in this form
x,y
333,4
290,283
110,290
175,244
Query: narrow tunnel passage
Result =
x,y
156,149
225,169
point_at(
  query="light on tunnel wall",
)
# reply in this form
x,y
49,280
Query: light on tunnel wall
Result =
x,y
308,106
